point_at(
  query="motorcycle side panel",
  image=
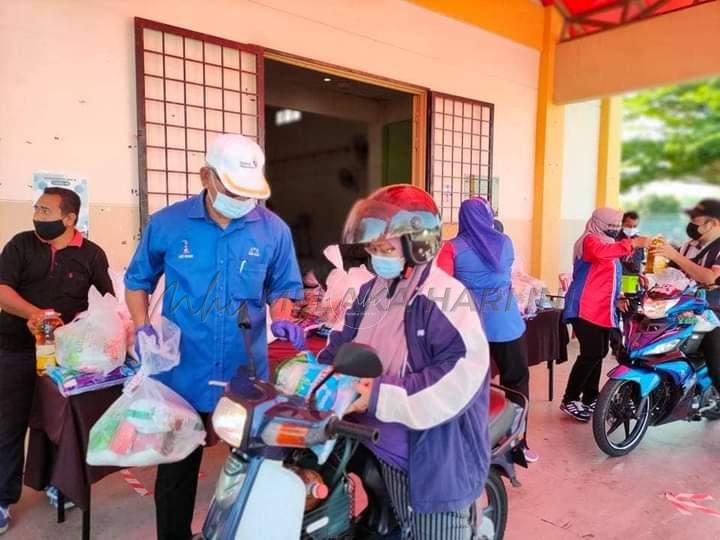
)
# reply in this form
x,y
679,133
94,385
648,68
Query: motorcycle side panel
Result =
x,y
647,380
703,379
279,488
680,371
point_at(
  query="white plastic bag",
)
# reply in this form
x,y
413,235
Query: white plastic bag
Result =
x,y
527,290
343,287
300,374
149,424
96,340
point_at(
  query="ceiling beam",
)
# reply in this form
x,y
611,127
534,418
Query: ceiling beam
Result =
x,y
650,10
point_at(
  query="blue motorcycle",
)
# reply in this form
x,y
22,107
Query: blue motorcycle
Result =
x,y
662,376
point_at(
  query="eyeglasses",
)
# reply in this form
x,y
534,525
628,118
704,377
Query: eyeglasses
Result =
x,y
220,188
45,211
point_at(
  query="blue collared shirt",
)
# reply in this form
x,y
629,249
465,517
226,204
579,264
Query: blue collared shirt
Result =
x,y
209,271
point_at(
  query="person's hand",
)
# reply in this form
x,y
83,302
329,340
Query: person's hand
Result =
x,y
623,304
641,242
289,331
361,404
665,250
37,317
148,330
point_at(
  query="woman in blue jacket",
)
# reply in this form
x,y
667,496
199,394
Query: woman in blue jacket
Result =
x,y
481,258
431,403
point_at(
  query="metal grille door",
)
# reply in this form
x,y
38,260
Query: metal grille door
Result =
x,y
191,87
461,141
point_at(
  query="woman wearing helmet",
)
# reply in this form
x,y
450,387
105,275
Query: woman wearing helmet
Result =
x,y
431,403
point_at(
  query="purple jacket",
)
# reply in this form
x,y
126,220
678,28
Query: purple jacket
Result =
x,y
442,398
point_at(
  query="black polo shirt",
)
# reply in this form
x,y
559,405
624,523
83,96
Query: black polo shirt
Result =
x,y
49,279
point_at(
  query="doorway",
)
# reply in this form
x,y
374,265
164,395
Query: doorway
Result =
x,y
330,140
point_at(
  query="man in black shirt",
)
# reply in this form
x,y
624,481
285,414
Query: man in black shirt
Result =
x,y
704,268
50,268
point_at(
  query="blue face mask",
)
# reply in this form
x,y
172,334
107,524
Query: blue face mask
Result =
x,y
387,267
233,208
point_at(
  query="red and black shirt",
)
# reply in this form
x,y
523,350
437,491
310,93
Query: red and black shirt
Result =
x,y
49,279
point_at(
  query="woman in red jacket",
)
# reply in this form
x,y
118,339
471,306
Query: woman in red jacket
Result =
x,y
591,305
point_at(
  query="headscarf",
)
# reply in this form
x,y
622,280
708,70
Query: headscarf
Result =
x,y
601,220
476,228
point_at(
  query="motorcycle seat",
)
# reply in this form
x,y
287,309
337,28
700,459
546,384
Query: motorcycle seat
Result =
x,y
502,415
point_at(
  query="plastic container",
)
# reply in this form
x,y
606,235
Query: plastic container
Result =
x,y
655,263
316,489
45,342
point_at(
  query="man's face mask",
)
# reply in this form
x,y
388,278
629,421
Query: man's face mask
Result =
x,y
630,231
232,208
692,231
49,230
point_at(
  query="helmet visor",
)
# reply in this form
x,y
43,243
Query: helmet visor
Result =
x,y
372,220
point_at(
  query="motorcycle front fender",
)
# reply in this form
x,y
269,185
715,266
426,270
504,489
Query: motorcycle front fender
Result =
x,y
274,487
646,380
267,485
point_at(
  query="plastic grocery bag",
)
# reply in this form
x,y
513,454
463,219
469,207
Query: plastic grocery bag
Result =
x,y
149,424
527,290
343,287
96,340
298,376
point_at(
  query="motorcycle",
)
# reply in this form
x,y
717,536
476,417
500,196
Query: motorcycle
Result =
x,y
270,465
662,376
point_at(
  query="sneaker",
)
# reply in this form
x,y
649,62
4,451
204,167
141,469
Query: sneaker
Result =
x,y
577,410
531,456
52,495
591,408
4,519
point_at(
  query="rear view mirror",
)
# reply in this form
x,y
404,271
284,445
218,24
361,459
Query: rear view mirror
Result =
x,y
358,360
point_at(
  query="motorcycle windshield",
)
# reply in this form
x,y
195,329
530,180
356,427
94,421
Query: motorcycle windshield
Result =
x,y
658,308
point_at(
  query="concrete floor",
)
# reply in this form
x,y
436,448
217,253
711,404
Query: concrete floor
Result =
x,y
574,492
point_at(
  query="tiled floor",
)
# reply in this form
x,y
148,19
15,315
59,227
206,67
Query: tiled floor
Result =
x,y
574,492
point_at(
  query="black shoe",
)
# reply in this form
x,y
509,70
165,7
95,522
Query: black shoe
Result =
x,y
577,410
591,407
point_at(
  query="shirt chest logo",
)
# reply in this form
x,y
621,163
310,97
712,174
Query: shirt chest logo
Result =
x,y
254,252
186,253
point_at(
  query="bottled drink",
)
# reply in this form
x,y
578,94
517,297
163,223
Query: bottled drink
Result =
x,y
655,263
316,489
45,342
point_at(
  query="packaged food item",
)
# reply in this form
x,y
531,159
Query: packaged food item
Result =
x,y
300,374
149,424
45,352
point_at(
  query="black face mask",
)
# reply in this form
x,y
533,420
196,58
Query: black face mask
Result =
x,y
49,230
612,233
692,231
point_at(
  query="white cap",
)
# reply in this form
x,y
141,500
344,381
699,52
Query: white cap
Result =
x,y
239,163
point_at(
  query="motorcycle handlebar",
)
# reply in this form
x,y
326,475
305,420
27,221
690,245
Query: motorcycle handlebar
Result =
x,y
352,431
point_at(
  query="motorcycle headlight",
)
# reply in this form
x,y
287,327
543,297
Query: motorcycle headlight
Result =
x,y
229,421
663,348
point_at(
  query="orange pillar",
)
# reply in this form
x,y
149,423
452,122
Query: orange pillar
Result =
x,y
548,161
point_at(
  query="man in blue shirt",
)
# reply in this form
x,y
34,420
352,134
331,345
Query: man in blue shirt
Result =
x,y
217,250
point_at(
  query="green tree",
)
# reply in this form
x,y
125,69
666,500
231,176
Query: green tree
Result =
x,y
678,133
659,204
